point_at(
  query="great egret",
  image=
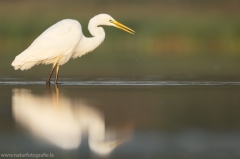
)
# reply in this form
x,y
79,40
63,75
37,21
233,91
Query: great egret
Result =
x,y
65,40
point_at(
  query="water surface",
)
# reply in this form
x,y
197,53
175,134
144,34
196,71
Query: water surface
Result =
x,y
121,119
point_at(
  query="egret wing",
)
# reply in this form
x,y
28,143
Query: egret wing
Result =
x,y
58,40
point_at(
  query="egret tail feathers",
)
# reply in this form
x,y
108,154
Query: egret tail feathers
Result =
x,y
25,66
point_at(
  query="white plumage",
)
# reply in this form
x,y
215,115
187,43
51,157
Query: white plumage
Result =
x,y
65,40
57,41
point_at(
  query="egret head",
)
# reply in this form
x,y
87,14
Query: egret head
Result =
x,y
105,19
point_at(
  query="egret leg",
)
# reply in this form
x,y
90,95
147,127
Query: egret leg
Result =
x,y
56,78
50,75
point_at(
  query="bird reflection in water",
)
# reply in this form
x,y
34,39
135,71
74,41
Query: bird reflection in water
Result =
x,y
62,122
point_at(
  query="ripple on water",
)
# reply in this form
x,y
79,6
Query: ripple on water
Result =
x,y
125,83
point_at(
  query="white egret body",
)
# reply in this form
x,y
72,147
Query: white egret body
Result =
x,y
65,40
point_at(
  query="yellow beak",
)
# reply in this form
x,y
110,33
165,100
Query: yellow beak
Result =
x,y
123,27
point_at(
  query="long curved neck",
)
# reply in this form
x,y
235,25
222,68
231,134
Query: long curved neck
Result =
x,y
97,32
88,44
94,29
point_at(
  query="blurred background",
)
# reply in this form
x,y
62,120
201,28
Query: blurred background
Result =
x,y
176,39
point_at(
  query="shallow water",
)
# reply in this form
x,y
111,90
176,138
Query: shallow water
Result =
x,y
121,119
